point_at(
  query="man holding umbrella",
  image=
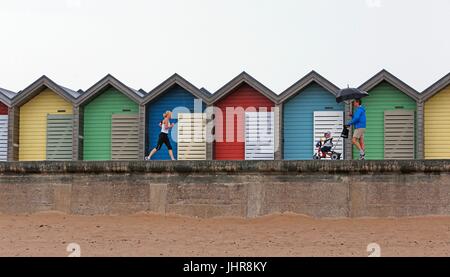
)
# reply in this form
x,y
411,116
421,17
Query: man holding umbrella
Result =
x,y
359,116
359,123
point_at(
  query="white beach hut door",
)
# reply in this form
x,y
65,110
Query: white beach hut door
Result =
x,y
191,136
332,121
399,135
3,137
124,137
259,136
59,137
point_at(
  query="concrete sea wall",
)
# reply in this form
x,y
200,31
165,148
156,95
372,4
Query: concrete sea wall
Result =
x,y
228,188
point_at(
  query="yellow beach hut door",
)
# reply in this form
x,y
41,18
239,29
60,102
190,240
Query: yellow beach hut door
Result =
x,y
191,136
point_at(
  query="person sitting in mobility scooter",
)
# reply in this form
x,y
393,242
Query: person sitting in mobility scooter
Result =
x,y
325,147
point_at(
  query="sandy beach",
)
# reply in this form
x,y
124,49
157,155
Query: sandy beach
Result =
x,y
48,234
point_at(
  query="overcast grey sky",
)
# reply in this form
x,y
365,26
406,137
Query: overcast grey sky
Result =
x,y
143,42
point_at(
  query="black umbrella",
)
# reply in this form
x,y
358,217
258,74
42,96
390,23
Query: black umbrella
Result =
x,y
350,94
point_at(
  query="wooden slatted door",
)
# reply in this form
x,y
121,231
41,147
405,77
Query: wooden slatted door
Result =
x,y
399,135
3,137
59,137
191,136
259,136
125,137
332,121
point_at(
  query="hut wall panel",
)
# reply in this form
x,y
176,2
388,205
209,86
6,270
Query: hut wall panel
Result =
x,y
437,126
98,121
298,120
248,99
3,109
177,100
383,97
33,123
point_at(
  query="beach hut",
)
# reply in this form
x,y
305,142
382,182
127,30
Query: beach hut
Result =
x,y
309,110
43,122
391,118
436,101
5,104
188,105
245,120
109,129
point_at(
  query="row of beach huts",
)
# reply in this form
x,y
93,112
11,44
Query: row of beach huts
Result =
x,y
243,120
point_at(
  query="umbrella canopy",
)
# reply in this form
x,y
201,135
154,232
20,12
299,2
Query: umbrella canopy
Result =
x,y
350,94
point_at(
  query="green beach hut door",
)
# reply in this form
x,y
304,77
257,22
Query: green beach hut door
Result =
x,y
125,137
332,121
3,137
191,136
259,136
399,135
59,137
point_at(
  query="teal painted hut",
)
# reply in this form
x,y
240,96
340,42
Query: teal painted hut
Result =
x,y
309,109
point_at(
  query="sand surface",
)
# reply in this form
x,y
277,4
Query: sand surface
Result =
x,y
277,235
